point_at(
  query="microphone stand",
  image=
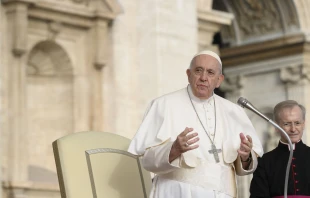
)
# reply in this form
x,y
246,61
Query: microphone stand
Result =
x,y
290,156
244,103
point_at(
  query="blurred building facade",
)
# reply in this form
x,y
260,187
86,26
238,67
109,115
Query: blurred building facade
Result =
x,y
79,65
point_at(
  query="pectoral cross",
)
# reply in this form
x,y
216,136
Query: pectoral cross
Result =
x,y
215,152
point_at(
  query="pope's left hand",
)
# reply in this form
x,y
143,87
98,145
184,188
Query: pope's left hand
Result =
x,y
245,147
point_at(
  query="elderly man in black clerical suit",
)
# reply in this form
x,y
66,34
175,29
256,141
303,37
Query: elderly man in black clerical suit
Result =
x,y
268,178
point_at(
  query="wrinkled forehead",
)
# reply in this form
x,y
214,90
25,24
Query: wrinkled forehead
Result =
x,y
291,112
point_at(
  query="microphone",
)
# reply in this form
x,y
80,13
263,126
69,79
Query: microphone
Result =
x,y
245,103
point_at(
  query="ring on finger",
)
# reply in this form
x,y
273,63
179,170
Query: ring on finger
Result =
x,y
186,144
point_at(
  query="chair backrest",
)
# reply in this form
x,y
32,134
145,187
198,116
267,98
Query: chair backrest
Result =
x,y
97,165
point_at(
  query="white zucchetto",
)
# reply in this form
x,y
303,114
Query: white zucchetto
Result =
x,y
210,53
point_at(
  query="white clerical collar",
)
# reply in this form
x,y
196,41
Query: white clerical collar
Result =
x,y
293,144
196,99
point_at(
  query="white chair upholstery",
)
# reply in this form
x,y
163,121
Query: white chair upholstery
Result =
x,y
97,165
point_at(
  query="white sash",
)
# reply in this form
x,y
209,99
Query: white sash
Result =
x,y
211,176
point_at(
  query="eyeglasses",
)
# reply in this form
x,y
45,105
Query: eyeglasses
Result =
x,y
290,124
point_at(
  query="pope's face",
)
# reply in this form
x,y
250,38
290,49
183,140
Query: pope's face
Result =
x,y
204,76
291,120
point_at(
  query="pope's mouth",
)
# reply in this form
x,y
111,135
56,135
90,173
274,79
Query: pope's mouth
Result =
x,y
202,87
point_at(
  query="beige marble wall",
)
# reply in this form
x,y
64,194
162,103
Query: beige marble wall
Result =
x,y
302,7
152,43
3,102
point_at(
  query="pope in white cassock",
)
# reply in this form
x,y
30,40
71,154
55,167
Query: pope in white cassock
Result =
x,y
194,140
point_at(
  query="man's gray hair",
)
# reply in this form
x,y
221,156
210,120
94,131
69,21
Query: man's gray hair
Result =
x,y
287,104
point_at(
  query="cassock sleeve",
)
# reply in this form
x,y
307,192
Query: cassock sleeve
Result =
x,y
238,165
156,159
259,184
154,129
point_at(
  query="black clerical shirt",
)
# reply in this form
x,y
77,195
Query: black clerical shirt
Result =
x,y
268,178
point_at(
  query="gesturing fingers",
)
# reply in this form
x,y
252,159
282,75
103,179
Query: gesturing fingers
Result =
x,y
250,142
193,141
185,141
186,131
246,143
245,146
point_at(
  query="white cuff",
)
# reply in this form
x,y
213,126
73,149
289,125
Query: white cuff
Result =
x,y
156,159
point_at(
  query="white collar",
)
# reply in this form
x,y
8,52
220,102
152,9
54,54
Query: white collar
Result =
x,y
293,144
198,100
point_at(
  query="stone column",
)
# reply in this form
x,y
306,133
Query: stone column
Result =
x,y
16,13
100,32
153,43
209,22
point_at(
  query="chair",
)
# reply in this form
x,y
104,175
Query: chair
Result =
x,y
97,165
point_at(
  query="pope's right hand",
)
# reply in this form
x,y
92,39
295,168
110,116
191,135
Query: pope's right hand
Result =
x,y
184,142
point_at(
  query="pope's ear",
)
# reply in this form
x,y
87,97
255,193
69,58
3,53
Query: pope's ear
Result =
x,y
188,72
220,80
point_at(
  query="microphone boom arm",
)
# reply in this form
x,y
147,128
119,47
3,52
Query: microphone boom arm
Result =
x,y
245,103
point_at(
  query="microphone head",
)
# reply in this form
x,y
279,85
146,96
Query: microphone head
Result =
x,y
242,102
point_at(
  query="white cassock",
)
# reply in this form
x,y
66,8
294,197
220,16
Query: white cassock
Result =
x,y
195,174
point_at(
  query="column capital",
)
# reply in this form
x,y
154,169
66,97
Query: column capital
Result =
x,y
295,74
